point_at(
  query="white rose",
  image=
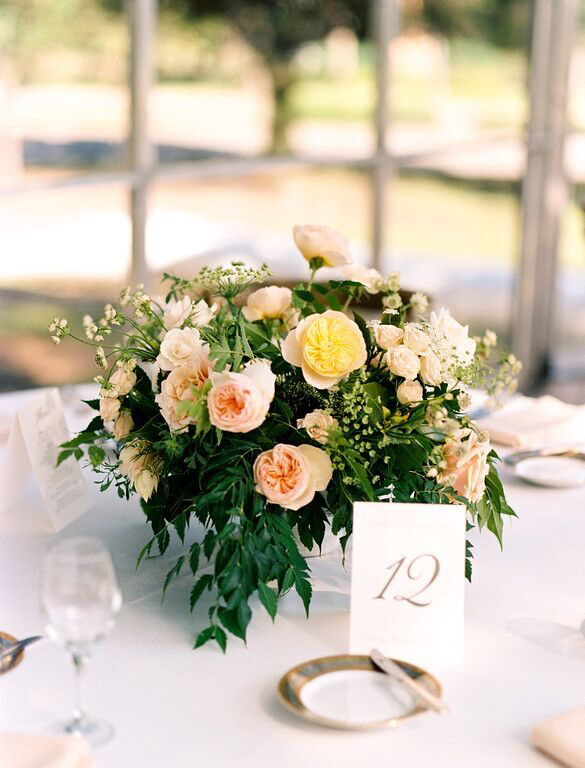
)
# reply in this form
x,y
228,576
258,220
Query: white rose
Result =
x,y
403,362
430,369
180,347
109,406
239,402
267,303
455,337
371,279
409,392
176,312
123,424
317,423
203,314
387,336
322,242
416,339
123,381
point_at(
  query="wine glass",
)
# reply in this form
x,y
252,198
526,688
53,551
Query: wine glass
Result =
x,y
80,598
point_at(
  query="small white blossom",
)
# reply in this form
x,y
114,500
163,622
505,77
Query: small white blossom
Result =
x,y
419,302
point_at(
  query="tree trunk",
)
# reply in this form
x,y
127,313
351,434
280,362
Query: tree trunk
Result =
x,y
281,83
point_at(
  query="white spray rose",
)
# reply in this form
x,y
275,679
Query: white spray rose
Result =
x,y
430,369
402,361
409,392
317,423
416,339
123,380
387,336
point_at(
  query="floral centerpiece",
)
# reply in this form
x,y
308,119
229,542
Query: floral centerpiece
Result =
x,y
264,413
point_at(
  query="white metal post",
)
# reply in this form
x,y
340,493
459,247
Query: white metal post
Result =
x,y
142,19
386,19
544,187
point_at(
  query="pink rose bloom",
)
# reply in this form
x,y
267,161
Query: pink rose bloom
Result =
x,y
239,402
176,388
465,455
290,476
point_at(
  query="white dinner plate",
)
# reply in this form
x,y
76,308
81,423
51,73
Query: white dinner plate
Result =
x,y
552,471
349,692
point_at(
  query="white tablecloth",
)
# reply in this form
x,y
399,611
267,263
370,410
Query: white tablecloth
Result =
x,y
174,707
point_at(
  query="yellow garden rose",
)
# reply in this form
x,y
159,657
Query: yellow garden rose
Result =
x,y
327,347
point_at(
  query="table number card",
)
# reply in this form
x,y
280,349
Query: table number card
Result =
x,y
407,581
37,431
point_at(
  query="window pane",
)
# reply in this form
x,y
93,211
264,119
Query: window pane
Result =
x,y
197,222
63,253
63,94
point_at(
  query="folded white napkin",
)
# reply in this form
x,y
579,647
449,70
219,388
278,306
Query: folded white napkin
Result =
x,y
563,737
28,750
536,422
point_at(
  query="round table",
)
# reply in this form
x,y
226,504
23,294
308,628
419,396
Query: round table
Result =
x,y
173,706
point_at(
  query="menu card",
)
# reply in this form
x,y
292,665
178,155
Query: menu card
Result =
x,y
37,431
407,581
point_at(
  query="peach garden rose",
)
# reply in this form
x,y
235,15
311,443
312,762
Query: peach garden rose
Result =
x,y
290,475
177,388
326,347
317,423
322,243
465,455
268,303
239,402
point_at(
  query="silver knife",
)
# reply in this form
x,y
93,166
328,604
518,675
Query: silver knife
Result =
x,y
17,647
391,668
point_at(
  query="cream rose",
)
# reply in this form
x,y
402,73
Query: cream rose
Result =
x,y
123,380
402,361
290,476
239,402
410,391
109,406
180,347
387,336
141,466
176,389
326,346
317,423
430,369
177,312
371,279
465,455
324,243
416,339
267,303
123,424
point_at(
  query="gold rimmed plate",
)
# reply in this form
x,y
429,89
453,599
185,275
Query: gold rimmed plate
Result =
x,y
6,665
349,692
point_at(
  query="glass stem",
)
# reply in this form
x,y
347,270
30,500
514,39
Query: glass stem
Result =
x,y
78,712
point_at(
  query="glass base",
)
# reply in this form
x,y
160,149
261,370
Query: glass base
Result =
x,y
95,732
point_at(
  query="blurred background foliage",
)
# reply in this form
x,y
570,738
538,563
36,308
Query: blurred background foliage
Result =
x,y
247,78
